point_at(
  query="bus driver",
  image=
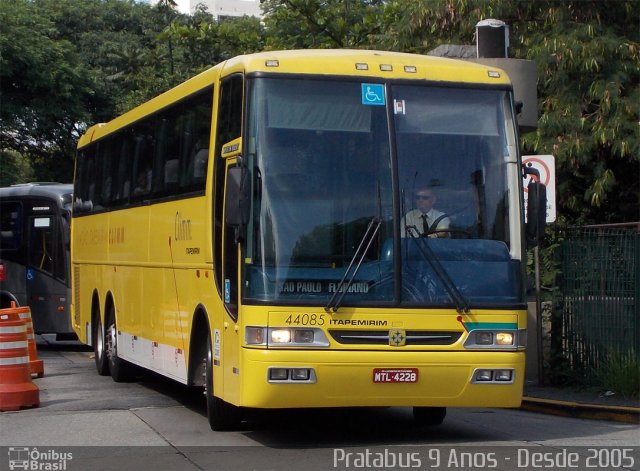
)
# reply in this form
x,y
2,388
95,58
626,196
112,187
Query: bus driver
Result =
x,y
425,220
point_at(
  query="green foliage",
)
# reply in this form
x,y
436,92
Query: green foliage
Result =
x,y
200,42
588,72
53,73
620,374
44,82
302,24
14,169
67,64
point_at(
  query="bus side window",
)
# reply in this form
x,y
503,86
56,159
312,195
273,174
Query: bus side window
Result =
x,y
196,136
62,247
167,155
85,186
140,175
200,160
121,171
10,226
171,170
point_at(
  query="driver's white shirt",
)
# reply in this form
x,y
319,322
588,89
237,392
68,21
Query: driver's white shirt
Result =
x,y
414,219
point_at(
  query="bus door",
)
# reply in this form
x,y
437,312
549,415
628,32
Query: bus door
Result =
x,y
229,128
46,272
231,334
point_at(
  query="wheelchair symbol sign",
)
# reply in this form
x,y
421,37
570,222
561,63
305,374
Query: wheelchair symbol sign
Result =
x,y
372,94
30,274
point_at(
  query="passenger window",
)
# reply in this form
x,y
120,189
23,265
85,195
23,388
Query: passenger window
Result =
x,y
10,226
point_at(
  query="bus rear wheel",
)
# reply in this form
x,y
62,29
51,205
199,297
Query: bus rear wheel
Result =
x,y
120,370
99,349
429,416
221,415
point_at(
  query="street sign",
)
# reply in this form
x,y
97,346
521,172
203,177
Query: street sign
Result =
x,y
545,164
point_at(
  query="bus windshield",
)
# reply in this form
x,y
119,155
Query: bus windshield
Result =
x,y
430,165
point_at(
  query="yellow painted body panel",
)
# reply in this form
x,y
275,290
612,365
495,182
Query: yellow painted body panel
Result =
x,y
345,379
156,263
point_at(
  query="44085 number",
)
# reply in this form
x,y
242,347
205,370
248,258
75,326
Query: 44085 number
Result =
x,y
306,319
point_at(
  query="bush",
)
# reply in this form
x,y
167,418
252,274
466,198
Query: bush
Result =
x,y
620,374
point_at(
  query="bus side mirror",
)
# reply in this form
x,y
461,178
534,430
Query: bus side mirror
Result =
x,y
536,212
238,196
519,106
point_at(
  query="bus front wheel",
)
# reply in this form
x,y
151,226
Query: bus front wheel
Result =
x,y
222,415
429,416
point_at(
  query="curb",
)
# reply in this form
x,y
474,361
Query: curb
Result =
x,y
630,415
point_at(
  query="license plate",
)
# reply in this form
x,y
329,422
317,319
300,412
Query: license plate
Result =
x,y
395,375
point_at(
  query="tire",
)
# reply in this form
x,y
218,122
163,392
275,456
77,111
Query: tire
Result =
x,y
222,416
99,348
120,370
429,416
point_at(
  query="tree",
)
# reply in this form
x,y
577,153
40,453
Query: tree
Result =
x,y
44,85
588,75
53,74
296,24
14,169
201,41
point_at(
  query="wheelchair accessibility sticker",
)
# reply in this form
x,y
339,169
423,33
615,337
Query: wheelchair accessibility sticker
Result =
x,y
372,94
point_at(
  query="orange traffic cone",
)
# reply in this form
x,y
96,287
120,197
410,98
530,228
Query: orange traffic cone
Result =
x,y
36,365
16,388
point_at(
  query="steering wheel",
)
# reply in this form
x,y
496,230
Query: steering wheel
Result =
x,y
452,230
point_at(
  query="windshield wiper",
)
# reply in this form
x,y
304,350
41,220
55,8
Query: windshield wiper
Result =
x,y
462,305
368,238
361,252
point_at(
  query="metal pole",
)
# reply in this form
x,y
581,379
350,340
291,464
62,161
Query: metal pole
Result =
x,y
536,255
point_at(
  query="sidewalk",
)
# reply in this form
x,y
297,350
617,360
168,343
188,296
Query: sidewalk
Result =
x,y
582,404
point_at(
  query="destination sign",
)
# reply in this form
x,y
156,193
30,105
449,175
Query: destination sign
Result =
x,y
318,287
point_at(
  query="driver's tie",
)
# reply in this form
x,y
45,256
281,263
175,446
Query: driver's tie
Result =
x,y
425,225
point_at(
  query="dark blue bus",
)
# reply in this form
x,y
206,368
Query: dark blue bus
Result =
x,y
34,253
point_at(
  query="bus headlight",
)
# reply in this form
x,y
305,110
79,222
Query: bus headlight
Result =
x,y
303,336
286,336
496,339
504,338
280,336
255,336
484,338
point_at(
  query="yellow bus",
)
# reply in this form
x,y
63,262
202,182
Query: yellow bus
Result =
x,y
253,232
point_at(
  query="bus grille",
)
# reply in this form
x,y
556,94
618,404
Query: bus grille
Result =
x,y
381,337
